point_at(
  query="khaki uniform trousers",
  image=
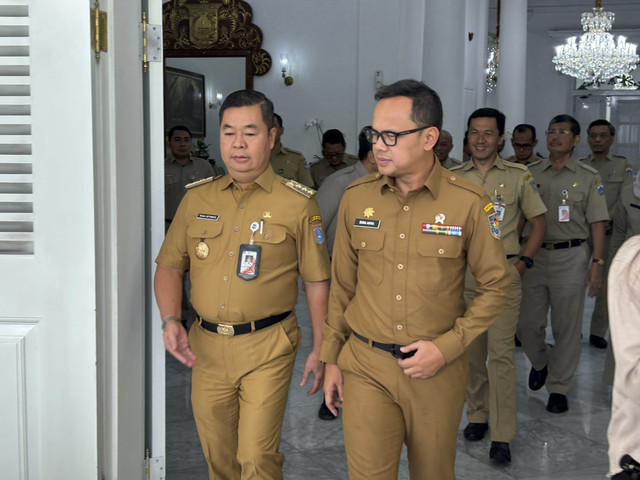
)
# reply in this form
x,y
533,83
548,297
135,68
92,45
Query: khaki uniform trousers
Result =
x,y
557,280
600,315
383,408
239,395
491,389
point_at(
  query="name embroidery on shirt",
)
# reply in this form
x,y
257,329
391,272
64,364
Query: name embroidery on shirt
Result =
x,y
365,223
437,229
208,216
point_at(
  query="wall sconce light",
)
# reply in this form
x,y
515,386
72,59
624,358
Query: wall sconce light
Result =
x,y
217,102
286,69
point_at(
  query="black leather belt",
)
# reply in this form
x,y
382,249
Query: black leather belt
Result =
x,y
560,245
391,348
241,329
511,256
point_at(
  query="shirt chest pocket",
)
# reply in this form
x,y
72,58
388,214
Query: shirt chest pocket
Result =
x,y
171,179
440,262
369,245
207,232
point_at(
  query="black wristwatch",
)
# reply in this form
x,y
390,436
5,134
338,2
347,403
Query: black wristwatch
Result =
x,y
528,261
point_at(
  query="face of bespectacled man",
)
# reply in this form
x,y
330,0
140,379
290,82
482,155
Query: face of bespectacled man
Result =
x,y
523,145
334,152
560,139
245,143
600,139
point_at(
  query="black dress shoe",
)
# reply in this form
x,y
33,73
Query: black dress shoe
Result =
x,y
324,413
597,341
475,431
537,378
557,403
500,453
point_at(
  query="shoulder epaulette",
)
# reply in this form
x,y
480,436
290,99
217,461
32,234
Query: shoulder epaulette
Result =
x,y
366,179
466,184
291,150
299,187
587,167
197,183
517,165
537,162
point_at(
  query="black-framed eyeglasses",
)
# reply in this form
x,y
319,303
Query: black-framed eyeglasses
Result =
x,y
389,138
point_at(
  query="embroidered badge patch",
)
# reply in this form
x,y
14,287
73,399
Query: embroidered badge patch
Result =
x,y
488,207
436,229
494,223
318,234
315,218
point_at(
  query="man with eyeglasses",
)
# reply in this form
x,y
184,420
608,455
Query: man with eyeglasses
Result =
x,y
523,142
334,157
615,172
396,335
491,389
576,211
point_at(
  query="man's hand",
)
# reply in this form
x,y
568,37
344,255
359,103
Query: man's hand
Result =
x,y
426,362
594,280
315,366
333,382
521,267
177,343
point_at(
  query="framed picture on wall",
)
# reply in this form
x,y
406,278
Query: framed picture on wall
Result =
x,y
184,100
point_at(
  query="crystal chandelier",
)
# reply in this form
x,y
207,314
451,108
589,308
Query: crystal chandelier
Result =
x,y
493,55
595,57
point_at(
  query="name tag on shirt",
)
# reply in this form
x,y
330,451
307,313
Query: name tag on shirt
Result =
x,y
366,223
208,216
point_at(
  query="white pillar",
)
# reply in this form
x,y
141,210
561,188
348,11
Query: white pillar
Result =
x,y
443,61
512,83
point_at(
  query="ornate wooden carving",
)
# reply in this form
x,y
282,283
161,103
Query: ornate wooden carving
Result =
x,y
205,28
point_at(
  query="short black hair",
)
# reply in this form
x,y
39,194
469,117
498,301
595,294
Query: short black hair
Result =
x,y
426,107
278,120
175,128
333,137
602,122
364,146
564,118
489,113
525,127
249,98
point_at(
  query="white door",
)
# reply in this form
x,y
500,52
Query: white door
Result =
x,y
48,426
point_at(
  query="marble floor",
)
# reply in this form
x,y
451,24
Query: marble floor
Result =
x,y
567,446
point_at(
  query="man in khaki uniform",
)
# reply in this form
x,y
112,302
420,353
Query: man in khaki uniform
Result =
x,y
180,169
443,149
397,330
615,172
576,210
626,220
286,162
491,390
245,238
334,157
523,142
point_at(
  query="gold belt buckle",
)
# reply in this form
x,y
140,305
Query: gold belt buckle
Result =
x,y
225,330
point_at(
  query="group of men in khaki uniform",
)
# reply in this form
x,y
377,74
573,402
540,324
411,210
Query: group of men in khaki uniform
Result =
x,y
425,286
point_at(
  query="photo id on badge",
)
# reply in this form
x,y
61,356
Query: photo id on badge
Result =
x,y
564,213
249,261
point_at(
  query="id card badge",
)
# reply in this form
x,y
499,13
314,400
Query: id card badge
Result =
x,y
499,207
564,215
249,261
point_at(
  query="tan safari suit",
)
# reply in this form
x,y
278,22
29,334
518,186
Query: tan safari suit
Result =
x,y
291,164
240,383
557,279
392,283
176,176
615,172
491,391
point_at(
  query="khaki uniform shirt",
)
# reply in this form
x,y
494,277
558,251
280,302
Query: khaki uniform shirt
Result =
x,y
626,220
176,176
219,214
399,264
615,172
512,185
330,194
582,191
322,168
451,162
291,164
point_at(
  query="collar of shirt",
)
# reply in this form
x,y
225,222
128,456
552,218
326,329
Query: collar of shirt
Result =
x,y
571,164
498,163
432,183
264,181
171,159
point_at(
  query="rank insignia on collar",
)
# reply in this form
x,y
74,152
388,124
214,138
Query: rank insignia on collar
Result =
x,y
440,218
368,212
